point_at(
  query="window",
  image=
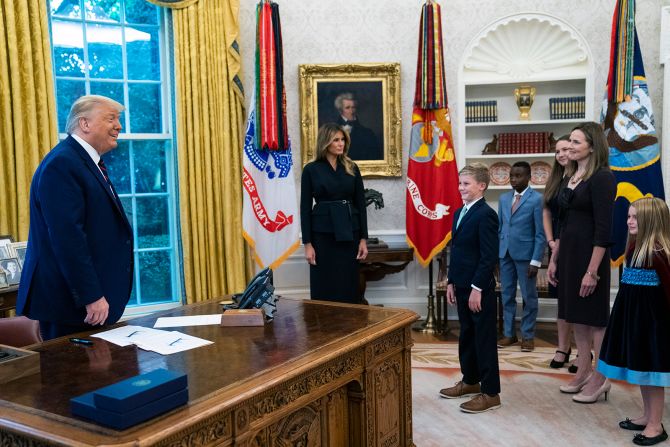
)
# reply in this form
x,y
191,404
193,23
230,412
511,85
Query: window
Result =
x,y
118,48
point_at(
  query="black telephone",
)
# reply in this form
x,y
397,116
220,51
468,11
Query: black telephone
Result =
x,y
258,291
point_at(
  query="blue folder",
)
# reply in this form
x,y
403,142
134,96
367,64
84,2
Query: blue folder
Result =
x,y
85,407
137,391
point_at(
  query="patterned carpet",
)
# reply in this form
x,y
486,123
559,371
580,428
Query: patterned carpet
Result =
x,y
533,412
445,355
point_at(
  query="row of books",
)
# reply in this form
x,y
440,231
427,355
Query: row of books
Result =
x,y
481,111
573,107
524,143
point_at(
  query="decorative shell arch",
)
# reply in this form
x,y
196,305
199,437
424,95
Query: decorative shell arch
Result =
x,y
526,46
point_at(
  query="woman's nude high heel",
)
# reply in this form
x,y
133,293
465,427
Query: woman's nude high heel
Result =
x,y
584,399
573,389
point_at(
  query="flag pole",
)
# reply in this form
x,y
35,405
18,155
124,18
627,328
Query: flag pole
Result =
x,y
429,326
432,158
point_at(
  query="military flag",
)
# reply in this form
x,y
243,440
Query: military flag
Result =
x,y
628,119
432,176
270,216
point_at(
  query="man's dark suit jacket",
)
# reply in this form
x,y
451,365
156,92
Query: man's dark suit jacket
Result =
x,y
80,245
474,247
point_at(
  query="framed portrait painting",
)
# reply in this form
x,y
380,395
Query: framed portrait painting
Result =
x,y
365,100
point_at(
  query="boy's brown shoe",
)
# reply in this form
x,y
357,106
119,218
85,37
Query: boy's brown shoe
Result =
x,y
480,403
507,341
461,389
527,345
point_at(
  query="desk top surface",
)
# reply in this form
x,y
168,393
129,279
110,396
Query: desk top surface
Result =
x,y
241,358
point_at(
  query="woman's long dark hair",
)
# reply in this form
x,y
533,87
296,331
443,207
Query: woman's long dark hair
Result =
x,y
556,176
595,137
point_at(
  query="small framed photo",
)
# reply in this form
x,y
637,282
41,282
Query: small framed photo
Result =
x,y
3,280
365,100
12,270
5,251
18,251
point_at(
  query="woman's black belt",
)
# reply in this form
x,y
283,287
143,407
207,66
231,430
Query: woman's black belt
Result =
x,y
342,222
334,201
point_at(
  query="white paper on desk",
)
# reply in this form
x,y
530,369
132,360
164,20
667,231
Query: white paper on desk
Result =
x,y
128,335
170,342
192,320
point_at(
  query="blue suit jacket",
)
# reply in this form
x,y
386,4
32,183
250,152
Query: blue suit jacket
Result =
x,y
474,245
521,233
80,245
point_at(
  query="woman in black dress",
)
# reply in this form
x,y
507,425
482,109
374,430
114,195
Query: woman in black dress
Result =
x,y
335,230
550,219
581,261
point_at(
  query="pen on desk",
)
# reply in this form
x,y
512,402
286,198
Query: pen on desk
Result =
x,y
81,341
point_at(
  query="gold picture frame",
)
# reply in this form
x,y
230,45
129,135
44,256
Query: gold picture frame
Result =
x,y
374,89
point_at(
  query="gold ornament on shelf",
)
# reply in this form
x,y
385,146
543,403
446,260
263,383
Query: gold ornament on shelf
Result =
x,y
524,100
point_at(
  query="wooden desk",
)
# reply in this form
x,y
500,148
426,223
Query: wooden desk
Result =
x,y
375,266
322,374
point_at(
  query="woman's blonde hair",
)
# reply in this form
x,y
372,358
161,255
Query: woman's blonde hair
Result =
x,y
556,175
595,136
653,231
325,137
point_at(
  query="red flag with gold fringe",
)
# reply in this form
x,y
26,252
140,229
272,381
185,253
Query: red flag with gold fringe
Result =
x,y
432,176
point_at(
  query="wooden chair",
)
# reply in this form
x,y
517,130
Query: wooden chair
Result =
x,y
19,331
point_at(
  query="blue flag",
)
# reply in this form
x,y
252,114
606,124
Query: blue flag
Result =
x,y
628,119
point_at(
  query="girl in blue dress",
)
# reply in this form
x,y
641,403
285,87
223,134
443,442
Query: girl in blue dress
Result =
x,y
635,347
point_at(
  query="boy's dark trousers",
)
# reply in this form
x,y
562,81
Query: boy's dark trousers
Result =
x,y
477,349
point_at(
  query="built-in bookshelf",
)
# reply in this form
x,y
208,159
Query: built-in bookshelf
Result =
x,y
502,60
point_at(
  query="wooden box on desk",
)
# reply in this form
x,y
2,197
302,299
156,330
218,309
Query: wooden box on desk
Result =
x,y
243,317
25,364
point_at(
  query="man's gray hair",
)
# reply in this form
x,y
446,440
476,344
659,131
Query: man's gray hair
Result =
x,y
341,97
83,106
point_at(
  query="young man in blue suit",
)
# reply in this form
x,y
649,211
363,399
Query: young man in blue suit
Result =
x,y
522,245
471,286
78,270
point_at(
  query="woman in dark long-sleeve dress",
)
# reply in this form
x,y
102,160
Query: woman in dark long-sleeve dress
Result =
x,y
550,219
587,203
334,229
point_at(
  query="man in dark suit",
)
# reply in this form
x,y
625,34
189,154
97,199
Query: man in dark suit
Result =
x,y
364,144
471,285
78,271
522,245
